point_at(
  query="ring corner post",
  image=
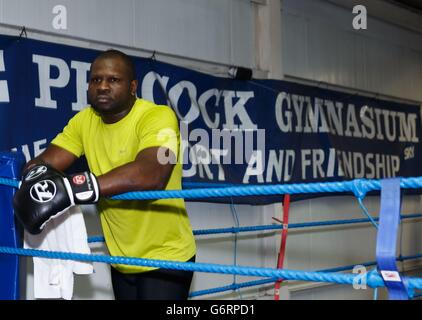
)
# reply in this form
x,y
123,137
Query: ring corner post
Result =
x,y
10,168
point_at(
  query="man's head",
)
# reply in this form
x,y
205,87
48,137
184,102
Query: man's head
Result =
x,y
112,85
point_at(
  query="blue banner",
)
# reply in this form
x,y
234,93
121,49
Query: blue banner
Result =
x,y
234,132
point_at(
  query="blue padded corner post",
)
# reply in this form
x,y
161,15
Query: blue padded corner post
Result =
x,y
10,167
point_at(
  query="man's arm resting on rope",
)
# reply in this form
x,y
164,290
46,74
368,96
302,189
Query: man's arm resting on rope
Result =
x,y
144,173
46,192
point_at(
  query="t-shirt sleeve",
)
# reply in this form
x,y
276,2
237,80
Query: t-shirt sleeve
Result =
x,y
159,129
70,138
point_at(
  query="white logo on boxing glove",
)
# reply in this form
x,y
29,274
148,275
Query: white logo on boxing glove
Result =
x,y
35,173
43,191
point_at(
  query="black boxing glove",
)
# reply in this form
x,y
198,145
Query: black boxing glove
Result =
x,y
45,193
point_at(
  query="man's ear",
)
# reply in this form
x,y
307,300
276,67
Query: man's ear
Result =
x,y
133,87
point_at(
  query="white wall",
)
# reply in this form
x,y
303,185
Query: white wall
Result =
x,y
318,44
218,30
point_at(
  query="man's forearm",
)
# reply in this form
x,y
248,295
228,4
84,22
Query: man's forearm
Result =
x,y
54,156
131,177
144,173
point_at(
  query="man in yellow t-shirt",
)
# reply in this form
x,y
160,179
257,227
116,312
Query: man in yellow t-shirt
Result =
x,y
126,142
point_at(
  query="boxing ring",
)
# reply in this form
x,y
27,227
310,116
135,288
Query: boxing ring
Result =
x,y
384,274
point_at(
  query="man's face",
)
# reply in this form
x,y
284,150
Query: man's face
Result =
x,y
110,89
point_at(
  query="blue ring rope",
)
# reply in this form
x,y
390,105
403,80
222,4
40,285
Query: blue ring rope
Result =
x,y
292,225
373,280
9,182
234,286
272,280
271,227
358,186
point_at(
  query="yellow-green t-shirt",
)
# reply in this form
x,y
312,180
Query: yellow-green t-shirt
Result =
x,y
152,229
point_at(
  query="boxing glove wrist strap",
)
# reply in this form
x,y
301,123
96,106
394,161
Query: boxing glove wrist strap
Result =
x,y
84,187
